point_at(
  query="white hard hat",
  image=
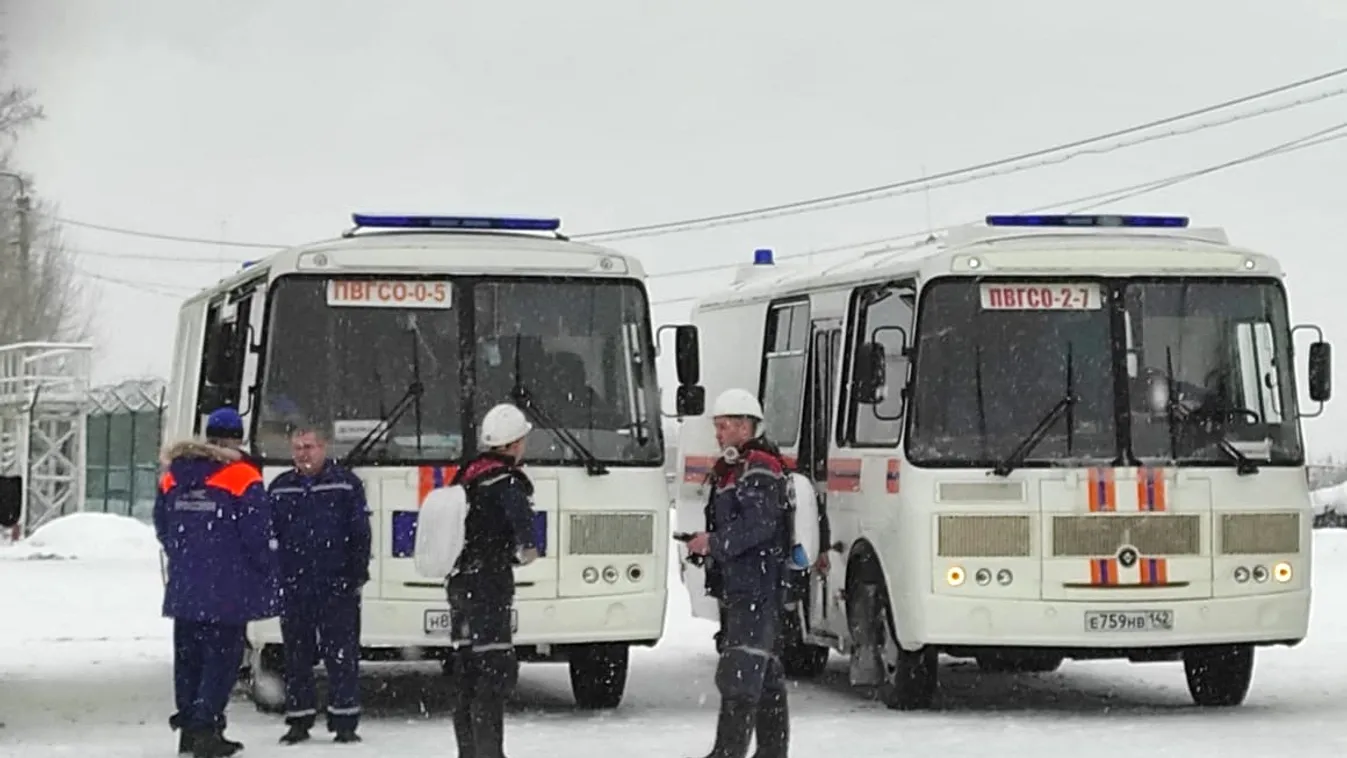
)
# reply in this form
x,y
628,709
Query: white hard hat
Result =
x,y
737,402
503,425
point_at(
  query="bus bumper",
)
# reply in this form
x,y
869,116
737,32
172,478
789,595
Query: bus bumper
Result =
x,y
945,622
636,618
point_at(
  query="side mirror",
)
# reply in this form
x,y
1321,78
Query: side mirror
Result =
x,y
11,500
687,355
690,400
868,383
1321,371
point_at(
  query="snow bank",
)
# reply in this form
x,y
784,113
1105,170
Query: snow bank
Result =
x,y
88,536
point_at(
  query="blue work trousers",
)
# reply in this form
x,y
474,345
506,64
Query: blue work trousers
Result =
x,y
327,627
206,660
750,664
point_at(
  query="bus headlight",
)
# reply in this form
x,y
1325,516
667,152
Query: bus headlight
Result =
x,y
1282,572
1260,574
590,575
610,574
634,572
983,577
955,576
1241,574
1004,577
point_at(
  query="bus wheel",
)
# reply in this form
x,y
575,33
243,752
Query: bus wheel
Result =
x,y
1219,676
599,675
910,676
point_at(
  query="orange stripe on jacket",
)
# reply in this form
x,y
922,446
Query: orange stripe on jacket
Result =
x,y
235,478
166,482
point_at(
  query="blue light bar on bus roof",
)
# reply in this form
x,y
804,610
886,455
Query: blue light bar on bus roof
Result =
x,y
1089,220
504,223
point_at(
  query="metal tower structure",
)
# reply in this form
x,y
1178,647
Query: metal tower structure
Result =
x,y
44,402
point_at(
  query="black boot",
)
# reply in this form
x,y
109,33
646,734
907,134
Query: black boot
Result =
x,y
208,743
734,729
346,736
185,741
488,728
298,733
773,726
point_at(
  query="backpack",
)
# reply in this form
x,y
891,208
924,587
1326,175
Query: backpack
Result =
x,y
801,506
440,531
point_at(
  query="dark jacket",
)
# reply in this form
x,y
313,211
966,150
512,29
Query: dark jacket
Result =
x,y
213,520
748,526
322,530
500,519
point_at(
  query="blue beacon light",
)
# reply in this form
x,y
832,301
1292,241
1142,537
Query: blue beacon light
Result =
x,y
762,257
502,223
1093,220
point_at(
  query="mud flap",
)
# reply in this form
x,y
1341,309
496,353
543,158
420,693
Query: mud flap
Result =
x,y
868,636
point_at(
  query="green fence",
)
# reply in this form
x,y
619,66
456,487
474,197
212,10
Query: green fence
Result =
x,y
125,433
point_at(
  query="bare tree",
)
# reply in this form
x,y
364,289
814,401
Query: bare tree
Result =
x,y
55,307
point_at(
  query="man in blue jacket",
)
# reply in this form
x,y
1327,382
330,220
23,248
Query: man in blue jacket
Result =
x,y
323,530
213,520
748,539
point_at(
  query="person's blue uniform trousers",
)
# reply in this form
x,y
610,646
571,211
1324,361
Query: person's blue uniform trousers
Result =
x,y
481,594
214,523
323,530
749,546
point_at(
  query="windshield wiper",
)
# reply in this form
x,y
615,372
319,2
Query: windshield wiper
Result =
x,y
361,449
1063,407
1174,409
524,400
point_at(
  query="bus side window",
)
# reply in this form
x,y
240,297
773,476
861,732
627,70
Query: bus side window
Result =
x,y
783,371
882,314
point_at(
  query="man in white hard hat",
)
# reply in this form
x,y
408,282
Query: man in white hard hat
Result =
x,y
498,534
748,540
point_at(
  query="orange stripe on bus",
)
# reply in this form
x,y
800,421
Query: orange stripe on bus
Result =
x,y
844,474
1155,571
1102,492
1103,571
1151,489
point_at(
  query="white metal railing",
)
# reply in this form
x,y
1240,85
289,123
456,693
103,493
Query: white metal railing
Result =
x,y
58,370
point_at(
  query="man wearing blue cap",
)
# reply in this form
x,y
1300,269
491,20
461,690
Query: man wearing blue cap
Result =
x,y
213,520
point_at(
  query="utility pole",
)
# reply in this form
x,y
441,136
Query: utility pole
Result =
x,y
23,204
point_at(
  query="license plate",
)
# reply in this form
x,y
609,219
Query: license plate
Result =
x,y
1129,621
437,623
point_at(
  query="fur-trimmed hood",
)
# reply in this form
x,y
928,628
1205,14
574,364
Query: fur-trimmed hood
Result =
x,y
198,449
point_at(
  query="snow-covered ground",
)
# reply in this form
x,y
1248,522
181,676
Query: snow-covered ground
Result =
x,y
85,669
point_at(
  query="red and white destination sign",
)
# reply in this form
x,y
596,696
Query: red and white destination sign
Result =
x,y
1042,296
388,293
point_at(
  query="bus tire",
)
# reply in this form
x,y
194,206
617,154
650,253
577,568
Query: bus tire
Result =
x,y
599,675
910,684
1219,676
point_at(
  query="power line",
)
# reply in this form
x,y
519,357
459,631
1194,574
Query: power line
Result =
x,y
83,252
162,289
159,236
1000,167
861,195
1313,139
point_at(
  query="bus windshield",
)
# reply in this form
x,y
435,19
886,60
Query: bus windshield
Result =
x,y
582,349
1199,367
991,362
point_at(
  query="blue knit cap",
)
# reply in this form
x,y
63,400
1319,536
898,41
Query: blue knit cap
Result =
x,y
224,424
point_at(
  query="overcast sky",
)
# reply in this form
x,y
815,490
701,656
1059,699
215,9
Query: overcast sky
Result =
x,y
270,121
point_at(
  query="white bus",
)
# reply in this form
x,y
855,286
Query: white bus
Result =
x,y
1041,438
396,341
